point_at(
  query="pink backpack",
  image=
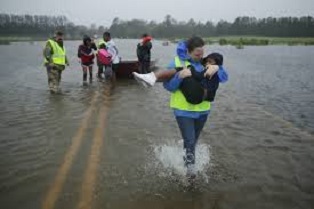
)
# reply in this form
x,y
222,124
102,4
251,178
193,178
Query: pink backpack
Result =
x,y
104,57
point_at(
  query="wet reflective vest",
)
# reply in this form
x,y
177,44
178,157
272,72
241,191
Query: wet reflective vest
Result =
x,y
58,56
177,99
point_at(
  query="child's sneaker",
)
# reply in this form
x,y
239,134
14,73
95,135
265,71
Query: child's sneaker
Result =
x,y
147,80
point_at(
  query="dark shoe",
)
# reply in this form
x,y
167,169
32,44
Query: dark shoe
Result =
x,y
189,159
191,171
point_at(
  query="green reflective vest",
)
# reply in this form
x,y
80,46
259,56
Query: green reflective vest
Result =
x,y
58,56
177,99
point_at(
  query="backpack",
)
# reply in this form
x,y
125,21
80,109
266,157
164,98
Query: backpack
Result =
x,y
104,57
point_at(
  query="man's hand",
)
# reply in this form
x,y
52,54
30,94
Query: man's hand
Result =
x,y
210,70
185,73
51,65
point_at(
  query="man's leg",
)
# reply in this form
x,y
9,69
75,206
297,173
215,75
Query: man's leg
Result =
x,y
147,67
144,67
59,75
187,129
141,67
199,125
114,70
50,78
108,71
53,80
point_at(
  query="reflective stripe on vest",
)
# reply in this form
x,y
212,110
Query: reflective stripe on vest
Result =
x,y
177,99
58,56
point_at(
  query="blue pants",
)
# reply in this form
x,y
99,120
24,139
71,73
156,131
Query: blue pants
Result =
x,y
190,130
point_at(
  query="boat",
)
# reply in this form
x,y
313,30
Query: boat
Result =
x,y
165,43
126,68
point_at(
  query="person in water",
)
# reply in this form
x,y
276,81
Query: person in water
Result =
x,y
113,51
55,60
143,51
86,55
190,118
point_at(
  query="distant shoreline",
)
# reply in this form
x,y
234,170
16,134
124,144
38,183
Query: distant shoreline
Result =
x,y
221,40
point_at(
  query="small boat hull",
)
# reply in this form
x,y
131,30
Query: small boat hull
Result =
x,y
126,68
165,43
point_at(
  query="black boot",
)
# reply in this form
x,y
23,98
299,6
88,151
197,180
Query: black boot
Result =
x,y
84,77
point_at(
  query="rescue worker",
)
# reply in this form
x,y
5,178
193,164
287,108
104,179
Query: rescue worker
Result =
x,y
191,118
55,60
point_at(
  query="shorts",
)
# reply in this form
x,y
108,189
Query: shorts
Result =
x,y
87,64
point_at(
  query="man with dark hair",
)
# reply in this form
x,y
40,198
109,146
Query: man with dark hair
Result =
x,y
59,33
143,52
55,60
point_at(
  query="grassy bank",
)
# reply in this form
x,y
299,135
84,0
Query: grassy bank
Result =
x,y
258,41
6,40
238,41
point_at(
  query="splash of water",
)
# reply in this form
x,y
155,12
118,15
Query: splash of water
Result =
x,y
171,157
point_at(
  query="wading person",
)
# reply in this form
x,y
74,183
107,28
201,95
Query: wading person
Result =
x,y
110,46
190,118
143,52
55,60
86,55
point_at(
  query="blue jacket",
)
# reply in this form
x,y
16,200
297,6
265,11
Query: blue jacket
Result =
x,y
174,83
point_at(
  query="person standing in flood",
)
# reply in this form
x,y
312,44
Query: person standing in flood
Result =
x,y
114,52
86,55
55,60
143,52
107,43
190,118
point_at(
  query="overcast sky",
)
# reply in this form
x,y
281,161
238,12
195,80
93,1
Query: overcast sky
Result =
x,y
102,12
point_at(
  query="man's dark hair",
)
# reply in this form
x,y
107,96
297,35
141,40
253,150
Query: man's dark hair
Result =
x,y
194,42
59,33
106,34
144,35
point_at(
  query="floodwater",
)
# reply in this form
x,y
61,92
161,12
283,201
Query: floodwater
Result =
x,y
99,146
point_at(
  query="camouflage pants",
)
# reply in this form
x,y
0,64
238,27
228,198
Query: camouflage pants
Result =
x,y
54,77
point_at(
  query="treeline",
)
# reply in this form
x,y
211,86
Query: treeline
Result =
x,y
242,26
43,26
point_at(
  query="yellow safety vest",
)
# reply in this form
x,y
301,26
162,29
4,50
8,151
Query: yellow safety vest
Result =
x,y
58,56
178,101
